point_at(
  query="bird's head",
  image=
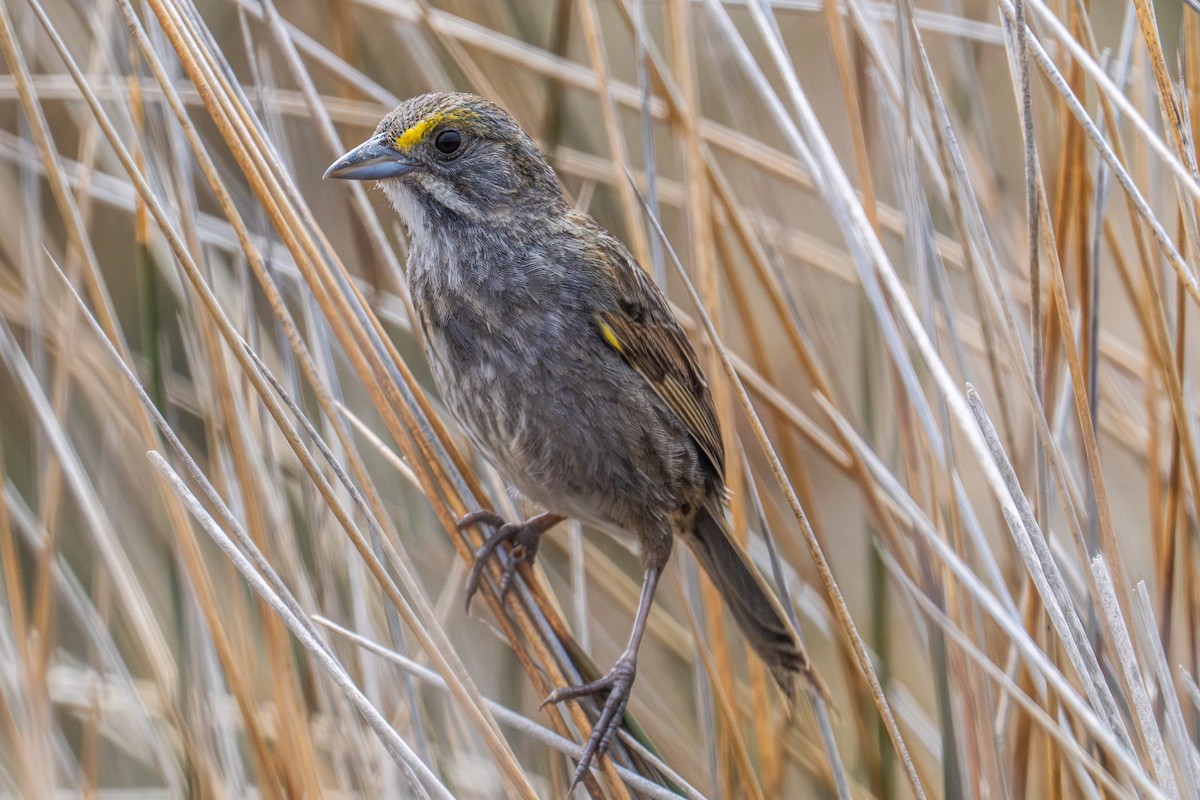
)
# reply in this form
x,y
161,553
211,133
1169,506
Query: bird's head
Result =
x,y
443,156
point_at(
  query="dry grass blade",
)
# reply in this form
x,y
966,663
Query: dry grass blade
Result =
x,y
422,779
524,724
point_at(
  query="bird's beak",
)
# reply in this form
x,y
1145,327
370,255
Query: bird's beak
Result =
x,y
373,160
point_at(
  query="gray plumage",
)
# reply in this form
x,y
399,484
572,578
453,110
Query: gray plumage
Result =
x,y
562,361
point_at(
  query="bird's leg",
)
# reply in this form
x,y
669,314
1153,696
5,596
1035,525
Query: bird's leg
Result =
x,y
523,536
617,683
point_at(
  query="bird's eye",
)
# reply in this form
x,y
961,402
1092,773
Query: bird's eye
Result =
x,y
448,141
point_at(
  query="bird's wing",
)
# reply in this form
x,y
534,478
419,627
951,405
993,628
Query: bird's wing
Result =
x,y
640,326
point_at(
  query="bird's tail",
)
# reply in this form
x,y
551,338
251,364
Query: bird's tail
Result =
x,y
755,607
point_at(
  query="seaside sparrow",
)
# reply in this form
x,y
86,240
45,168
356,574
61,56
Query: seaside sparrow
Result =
x,y
563,363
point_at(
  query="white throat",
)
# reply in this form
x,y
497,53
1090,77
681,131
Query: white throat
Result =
x,y
407,206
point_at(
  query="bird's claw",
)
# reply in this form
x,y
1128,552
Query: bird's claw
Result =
x,y
617,684
523,537
489,518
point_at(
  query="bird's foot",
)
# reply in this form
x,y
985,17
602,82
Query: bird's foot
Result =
x,y
616,684
523,536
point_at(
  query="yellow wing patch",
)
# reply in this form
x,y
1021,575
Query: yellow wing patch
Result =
x,y
610,336
658,351
411,137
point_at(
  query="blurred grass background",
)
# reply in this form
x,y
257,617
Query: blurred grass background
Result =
x,y
999,586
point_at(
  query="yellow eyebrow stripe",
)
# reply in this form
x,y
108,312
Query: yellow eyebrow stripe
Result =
x,y
411,137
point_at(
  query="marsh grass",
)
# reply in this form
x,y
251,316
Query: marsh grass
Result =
x,y
941,263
